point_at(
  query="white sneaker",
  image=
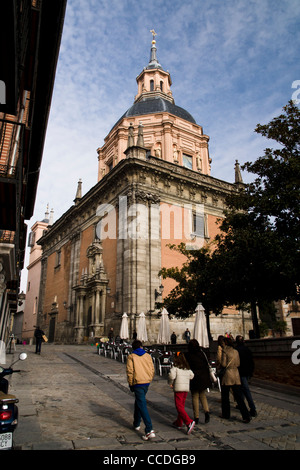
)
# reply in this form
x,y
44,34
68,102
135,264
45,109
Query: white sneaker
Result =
x,y
190,427
148,436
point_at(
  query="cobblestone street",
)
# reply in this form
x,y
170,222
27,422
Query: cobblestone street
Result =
x,y
70,398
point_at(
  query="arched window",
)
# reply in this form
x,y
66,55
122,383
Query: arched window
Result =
x,y
161,85
151,85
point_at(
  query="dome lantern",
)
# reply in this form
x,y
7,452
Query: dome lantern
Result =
x,y
153,81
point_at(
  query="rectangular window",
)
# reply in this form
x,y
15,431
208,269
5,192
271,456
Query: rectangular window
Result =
x,y
58,258
31,239
110,164
198,225
187,161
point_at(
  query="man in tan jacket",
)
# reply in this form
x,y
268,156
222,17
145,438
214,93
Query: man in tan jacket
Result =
x,y
140,373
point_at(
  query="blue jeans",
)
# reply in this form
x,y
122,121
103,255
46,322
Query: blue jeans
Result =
x,y
140,408
247,393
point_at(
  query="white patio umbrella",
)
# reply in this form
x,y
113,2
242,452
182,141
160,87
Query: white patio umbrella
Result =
x,y
164,328
124,327
141,328
2,353
200,328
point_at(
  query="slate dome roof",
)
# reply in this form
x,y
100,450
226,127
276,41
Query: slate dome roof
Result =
x,y
156,105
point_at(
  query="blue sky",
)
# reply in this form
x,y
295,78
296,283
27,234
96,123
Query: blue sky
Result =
x,y
232,63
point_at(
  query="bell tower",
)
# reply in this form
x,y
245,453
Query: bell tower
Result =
x,y
153,81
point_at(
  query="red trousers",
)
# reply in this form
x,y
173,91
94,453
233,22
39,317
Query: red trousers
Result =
x,y
182,416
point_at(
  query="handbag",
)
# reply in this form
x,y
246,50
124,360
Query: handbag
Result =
x,y
222,370
212,375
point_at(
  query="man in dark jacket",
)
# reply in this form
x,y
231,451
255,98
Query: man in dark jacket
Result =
x,y
38,339
246,371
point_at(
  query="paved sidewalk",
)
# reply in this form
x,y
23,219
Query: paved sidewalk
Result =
x,y
70,398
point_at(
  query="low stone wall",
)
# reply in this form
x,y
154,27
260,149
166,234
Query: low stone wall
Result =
x,y
273,347
277,369
277,359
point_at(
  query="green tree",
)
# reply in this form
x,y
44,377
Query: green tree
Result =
x,y
275,192
269,208
249,260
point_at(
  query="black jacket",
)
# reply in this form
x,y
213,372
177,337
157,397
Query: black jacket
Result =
x,y
38,333
246,367
199,366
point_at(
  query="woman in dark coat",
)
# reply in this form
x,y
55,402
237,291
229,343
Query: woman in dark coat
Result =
x,y
201,381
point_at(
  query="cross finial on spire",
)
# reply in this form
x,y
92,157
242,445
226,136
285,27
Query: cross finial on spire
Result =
x,y
153,35
153,59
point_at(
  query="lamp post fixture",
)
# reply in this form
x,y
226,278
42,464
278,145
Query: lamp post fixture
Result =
x,y
159,292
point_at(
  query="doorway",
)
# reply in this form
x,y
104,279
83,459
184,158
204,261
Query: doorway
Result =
x,y
52,329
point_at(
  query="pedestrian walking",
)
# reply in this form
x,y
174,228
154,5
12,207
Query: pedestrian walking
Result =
x,y
38,334
173,338
140,373
179,379
246,370
187,335
230,361
201,381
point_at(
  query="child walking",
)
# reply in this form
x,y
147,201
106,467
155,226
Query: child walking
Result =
x,y
179,379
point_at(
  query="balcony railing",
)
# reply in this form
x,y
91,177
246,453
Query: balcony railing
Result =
x,y
6,236
8,171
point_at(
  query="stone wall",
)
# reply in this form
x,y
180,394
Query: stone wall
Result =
x,y
276,359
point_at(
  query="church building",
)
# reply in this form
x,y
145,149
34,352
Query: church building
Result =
x,y
102,258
